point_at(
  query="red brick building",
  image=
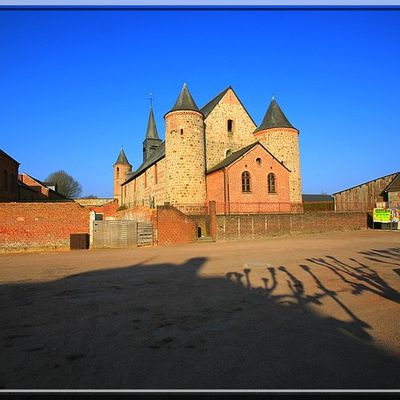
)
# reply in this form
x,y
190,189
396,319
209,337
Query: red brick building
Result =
x,y
249,180
9,177
31,189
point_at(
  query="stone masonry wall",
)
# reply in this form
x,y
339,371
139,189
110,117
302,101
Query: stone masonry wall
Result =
x,y
29,226
185,158
283,143
218,140
233,227
147,187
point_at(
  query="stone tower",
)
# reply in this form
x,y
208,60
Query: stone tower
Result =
x,y
282,139
121,169
184,151
152,141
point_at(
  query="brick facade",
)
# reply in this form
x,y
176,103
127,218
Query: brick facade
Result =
x,y
41,225
174,227
225,186
8,177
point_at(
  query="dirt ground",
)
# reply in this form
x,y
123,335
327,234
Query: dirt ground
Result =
x,y
307,312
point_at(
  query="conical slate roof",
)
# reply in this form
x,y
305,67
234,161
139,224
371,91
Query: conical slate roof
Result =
x,y
122,159
151,132
274,118
185,101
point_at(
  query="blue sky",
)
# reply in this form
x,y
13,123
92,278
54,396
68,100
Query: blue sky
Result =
x,y
75,84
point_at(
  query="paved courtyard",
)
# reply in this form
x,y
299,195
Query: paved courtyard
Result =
x,y
312,312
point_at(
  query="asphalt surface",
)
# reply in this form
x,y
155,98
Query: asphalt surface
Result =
x,y
307,312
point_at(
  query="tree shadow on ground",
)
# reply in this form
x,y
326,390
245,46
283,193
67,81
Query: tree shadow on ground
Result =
x,y
160,326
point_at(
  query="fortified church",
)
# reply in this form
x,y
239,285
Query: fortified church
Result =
x,y
215,153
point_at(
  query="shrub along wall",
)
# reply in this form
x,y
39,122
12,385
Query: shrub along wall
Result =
x,y
230,227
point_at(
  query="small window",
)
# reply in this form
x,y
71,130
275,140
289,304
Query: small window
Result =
x,y
258,161
245,182
181,131
228,152
230,126
271,183
117,172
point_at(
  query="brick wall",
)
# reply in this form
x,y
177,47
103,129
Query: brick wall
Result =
x,y
174,227
8,177
232,227
47,225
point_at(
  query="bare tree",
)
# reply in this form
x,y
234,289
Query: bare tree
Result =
x,y
66,184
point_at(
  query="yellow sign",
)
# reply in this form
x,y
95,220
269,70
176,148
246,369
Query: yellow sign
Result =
x,y
382,215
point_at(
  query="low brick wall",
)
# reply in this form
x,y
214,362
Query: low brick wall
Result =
x,y
30,226
231,227
174,227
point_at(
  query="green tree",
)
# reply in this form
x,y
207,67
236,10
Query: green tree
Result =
x,y
65,184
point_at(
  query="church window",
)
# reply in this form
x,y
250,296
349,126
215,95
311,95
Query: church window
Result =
x,y
181,131
145,179
117,172
155,174
258,161
230,126
246,181
271,183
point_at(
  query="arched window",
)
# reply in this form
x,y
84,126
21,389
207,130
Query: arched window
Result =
x,y
117,172
271,183
245,182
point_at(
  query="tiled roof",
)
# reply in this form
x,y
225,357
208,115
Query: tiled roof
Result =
x,y
157,155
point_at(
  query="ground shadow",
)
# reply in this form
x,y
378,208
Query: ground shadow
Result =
x,y
160,326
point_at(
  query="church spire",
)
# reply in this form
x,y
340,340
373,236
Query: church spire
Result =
x,y
152,141
185,101
151,132
122,159
274,118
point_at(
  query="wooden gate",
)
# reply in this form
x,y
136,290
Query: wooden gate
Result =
x,y
121,234
144,234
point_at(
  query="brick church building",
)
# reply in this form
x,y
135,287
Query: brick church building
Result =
x,y
215,153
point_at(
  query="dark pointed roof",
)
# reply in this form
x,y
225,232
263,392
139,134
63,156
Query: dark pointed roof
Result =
x,y
185,101
122,159
151,132
237,154
274,118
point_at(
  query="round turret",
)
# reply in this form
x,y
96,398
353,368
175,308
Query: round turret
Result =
x,y
282,139
184,150
121,169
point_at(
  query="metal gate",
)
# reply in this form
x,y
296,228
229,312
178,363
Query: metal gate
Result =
x,y
121,234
